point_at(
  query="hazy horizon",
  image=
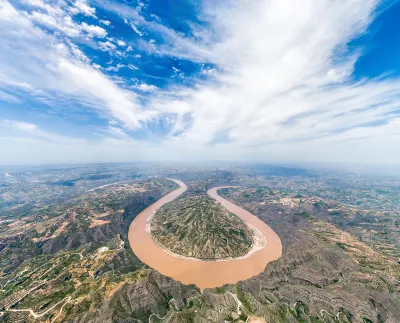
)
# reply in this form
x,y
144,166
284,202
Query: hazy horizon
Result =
x,y
271,81
354,169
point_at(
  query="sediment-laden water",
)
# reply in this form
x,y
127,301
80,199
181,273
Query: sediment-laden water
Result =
x,y
204,274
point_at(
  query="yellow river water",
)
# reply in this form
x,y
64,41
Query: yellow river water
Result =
x,y
204,274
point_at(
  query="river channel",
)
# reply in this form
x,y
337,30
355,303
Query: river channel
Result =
x,y
204,274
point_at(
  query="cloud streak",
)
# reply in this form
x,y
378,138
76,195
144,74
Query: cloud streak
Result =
x,y
285,76
53,67
277,85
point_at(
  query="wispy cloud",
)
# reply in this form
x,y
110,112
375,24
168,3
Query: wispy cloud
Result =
x,y
43,62
133,26
57,16
28,132
145,87
93,31
176,44
28,142
280,64
275,78
81,6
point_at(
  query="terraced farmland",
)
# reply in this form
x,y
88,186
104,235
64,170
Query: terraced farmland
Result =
x,y
199,227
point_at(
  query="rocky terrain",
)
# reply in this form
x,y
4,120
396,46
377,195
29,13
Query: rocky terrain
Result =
x,y
325,275
71,267
61,264
199,227
325,272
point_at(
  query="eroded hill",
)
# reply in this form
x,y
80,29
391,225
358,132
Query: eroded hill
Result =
x,y
199,227
340,262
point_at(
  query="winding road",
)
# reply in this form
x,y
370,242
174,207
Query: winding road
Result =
x,y
204,274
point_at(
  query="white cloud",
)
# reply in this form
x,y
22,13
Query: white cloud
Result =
x,y
285,92
82,7
56,17
135,29
52,10
208,70
145,87
140,5
178,72
27,143
64,24
75,50
279,89
115,68
121,43
175,43
132,67
29,56
84,81
20,126
107,46
105,22
94,31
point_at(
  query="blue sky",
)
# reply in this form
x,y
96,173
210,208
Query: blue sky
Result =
x,y
268,80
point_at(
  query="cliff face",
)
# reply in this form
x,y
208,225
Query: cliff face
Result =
x,y
119,224
314,279
326,274
152,295
324,271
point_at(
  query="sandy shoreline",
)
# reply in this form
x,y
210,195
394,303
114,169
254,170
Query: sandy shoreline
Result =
x,y
204,273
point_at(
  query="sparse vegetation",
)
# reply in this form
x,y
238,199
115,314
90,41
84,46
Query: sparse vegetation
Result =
x,y
340,262
197,226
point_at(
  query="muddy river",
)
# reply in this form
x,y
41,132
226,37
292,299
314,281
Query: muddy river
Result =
x,y
203,274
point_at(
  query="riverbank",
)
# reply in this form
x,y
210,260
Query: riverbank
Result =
x,y
204,274
259,242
